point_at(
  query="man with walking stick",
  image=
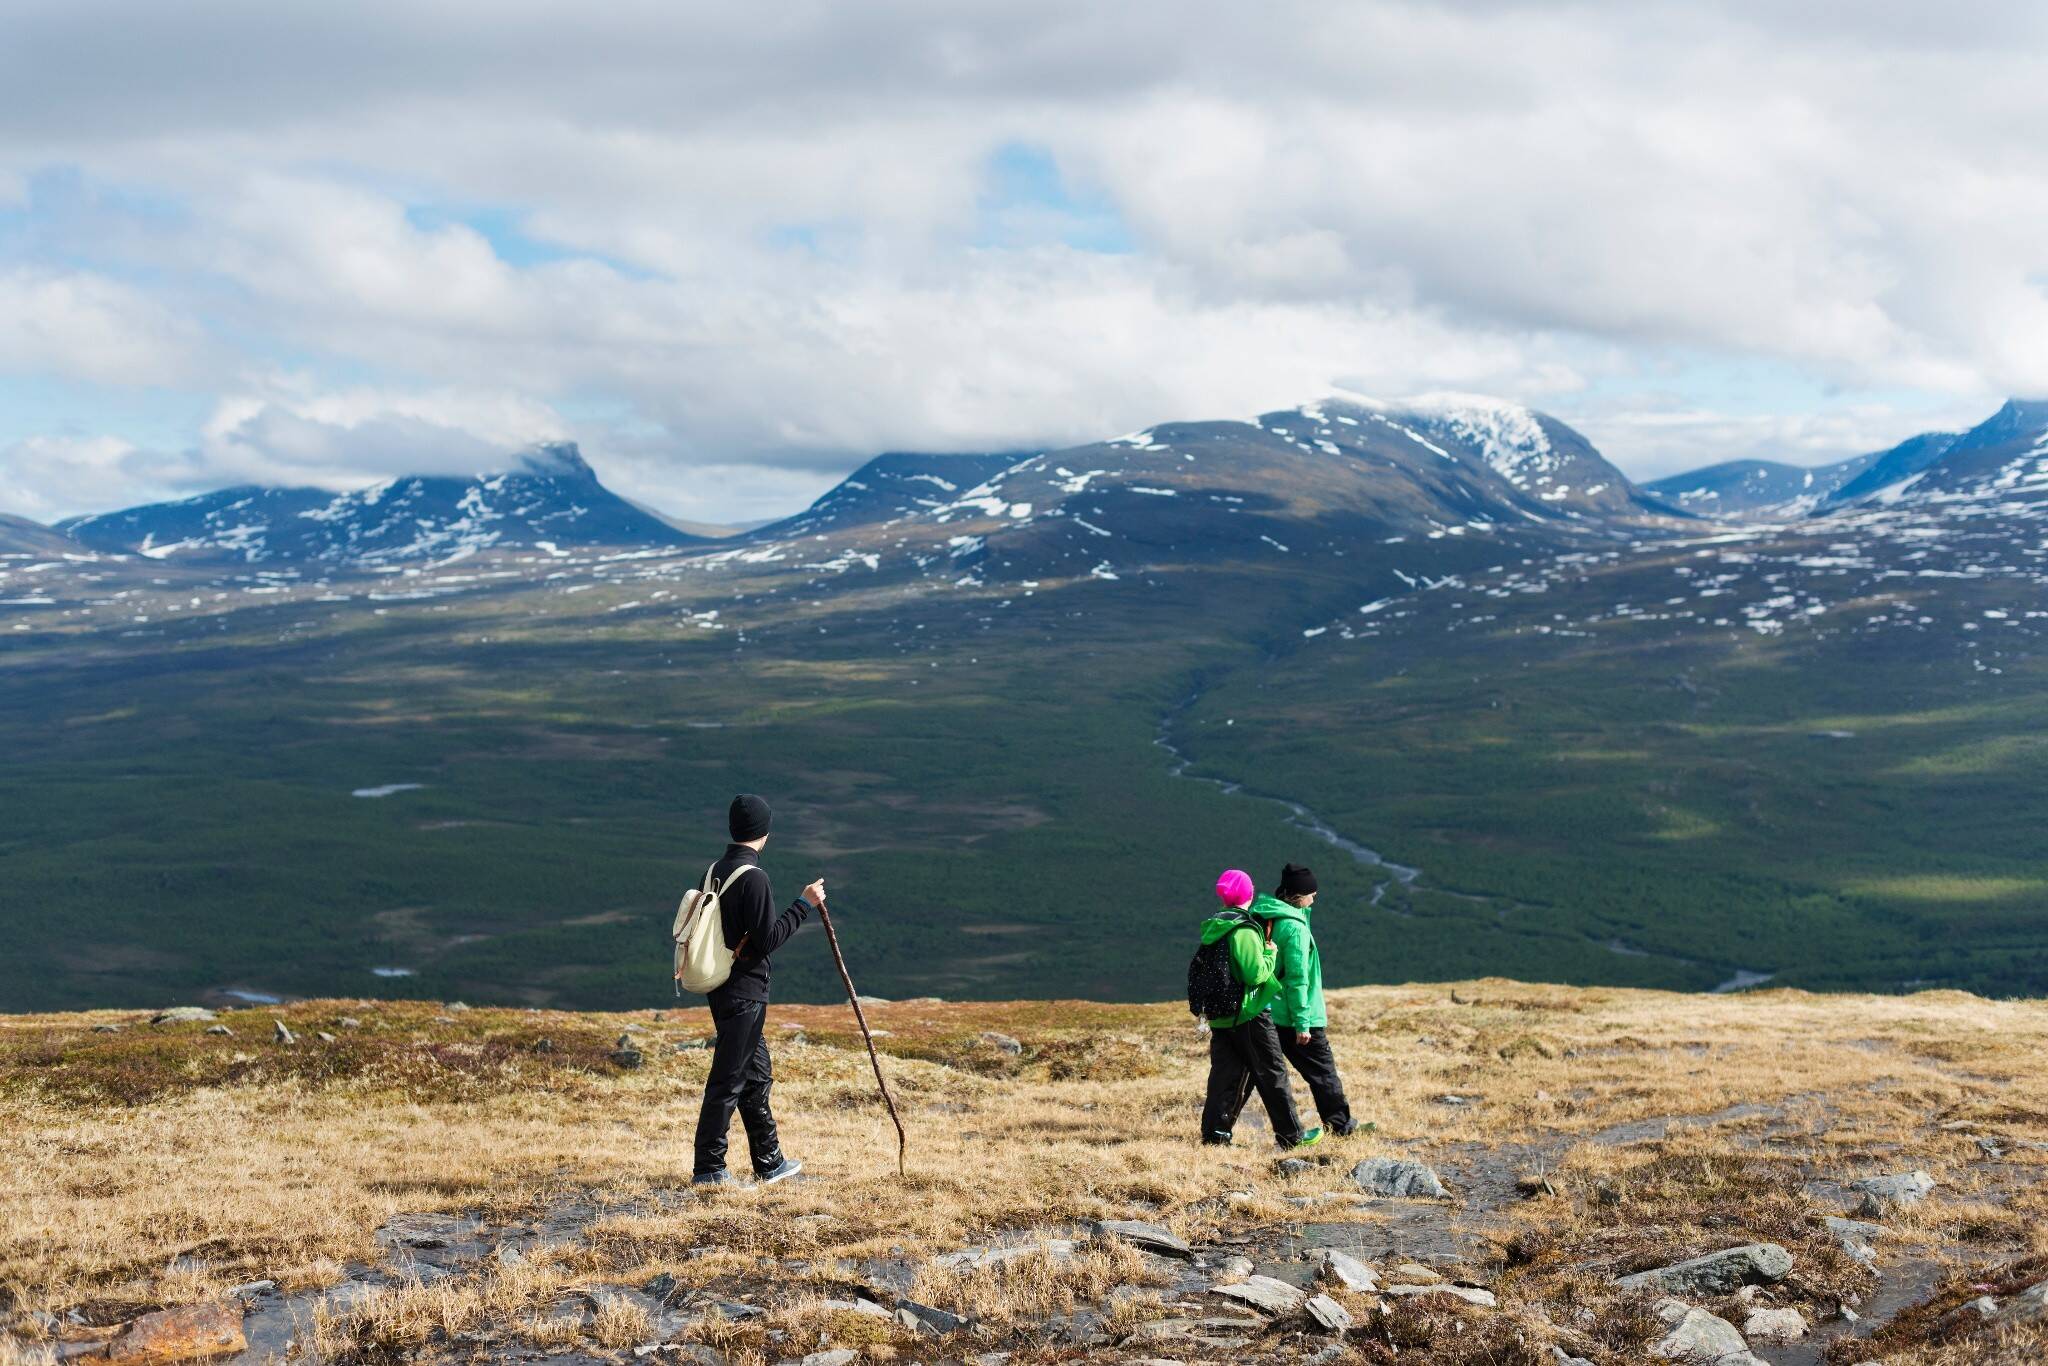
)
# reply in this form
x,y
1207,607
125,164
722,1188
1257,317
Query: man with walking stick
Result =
x,y
750,930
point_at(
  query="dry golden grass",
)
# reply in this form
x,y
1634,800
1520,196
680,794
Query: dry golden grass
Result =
x,y
238,1158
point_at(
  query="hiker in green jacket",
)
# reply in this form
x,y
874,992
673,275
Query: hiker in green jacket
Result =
x,y
1244,1050
1298,1014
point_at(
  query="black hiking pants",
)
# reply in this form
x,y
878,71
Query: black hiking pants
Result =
x,y
1241,1059
1318,1067
741,1076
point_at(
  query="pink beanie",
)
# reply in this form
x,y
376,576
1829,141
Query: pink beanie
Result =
x,y
1234,888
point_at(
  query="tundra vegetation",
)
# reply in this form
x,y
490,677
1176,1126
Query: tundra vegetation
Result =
x,y
405,1180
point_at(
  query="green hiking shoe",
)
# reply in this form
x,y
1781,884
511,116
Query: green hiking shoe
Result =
x,y
1309,1138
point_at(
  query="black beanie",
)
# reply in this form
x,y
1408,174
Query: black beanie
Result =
x,y
748,819
1296,880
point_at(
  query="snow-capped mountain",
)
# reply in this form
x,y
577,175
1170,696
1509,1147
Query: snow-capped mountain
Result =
x,y
891,486
1765,490
551,499
2006,454
1891,468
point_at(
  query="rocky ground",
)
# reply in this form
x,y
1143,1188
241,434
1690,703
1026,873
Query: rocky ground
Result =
x,y
1551,1175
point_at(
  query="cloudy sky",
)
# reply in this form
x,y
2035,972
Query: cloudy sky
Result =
x,y
732,249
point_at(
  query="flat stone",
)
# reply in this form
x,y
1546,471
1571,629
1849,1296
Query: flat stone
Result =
x,y
1349,1272
182,1334
1327,1314
1717,1273
1413,1273
1263,1293
1468,1293
1150,1237
182,1015
1058,1249
2029,1306
1697,1336
867,1307
221,1031
1883,1194
1775,1325
1399,1178
838,1356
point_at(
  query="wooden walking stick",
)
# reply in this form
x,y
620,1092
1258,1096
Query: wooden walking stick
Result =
x,y
832,937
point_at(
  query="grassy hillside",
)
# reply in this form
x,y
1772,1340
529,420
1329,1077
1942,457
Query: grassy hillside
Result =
x,y
426,1180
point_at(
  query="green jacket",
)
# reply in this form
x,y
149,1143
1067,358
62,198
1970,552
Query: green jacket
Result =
x,y
1299,1005
1253,958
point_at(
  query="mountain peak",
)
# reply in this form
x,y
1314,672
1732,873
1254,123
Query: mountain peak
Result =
x,y
556,460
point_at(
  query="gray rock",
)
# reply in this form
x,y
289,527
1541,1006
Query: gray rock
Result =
x,y
1235,1266
456,1007
1327,1314
1263,1293
1775,1325
1293,1166
1349,1272
1398,1177
1854,1237
349,1022
1717,1273
2029,1306
1150,1237
1468,1293
1964,1318
838,1356
182,1015
1564,1358
1322,1356
1697,1336
250,1289
925,1318
281,1033
1002,1043
1883,1194
323,1036
106,1029
222,1030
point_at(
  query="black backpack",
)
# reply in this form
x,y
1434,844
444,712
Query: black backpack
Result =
x,y
1214,988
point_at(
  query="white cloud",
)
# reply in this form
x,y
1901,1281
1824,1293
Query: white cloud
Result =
x,y
770,247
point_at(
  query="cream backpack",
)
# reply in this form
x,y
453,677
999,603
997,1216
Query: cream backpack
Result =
x,y
703,962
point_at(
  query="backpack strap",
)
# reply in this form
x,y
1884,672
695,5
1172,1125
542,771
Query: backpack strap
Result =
x,y
723,888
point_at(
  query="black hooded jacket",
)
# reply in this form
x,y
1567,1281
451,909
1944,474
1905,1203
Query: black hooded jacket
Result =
x,y
751,926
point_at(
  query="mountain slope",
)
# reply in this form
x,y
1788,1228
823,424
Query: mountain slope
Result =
x,y
890,486
2003,455
1767,489
551,499
20,536
1890,468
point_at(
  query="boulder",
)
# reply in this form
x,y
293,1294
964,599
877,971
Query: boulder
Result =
x,y
2029,1306
182,1334
1002,1043
1717,1273
1263,1293
182,1015
1399,1178
1327,1314
1468,1293
1883,1194
1346,1270
1147,1237
1699,1337
1774,1325
1234,1266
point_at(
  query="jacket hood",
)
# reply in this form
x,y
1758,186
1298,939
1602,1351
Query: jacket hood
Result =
x,y
1223,922
1267,907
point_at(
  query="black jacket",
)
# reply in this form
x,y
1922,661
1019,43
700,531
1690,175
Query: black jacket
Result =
x,y
751,926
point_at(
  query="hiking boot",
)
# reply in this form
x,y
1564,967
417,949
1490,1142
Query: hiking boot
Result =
x,y
781,1171
1342,1128
721,1177
1308,1139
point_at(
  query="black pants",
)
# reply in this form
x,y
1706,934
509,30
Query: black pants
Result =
x,y
1242,1059
741,1076
1318,1067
